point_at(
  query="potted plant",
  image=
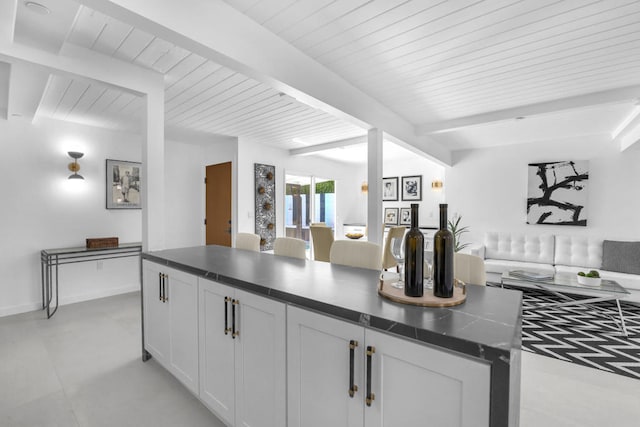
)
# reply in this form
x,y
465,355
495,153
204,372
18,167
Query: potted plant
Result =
x,y
592,278
457,230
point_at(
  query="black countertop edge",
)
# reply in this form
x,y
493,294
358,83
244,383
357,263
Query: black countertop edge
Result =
x,y
496,353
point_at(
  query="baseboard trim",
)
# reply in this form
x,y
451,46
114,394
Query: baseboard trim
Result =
x,y
33,306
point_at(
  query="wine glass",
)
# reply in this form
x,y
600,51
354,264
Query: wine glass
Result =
x,y
397,250
428,264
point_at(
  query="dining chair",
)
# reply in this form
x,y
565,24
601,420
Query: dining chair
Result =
x,y
388,261
469,268
355,254
248,241
291,247
322,238
318,224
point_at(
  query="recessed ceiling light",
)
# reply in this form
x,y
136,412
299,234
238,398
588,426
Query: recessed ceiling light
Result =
x,y
38,8
520,118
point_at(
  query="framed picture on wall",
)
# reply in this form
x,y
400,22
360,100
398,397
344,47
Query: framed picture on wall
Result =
x,y
405,216
123,184
412,188
391,216
390,189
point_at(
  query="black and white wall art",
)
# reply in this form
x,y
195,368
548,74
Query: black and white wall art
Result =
x,y
557,193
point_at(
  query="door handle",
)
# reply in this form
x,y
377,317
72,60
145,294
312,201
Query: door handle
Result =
x,y
352,387
370,396
160,286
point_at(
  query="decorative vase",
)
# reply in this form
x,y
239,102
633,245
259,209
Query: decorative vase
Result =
x,y
414,258
443,258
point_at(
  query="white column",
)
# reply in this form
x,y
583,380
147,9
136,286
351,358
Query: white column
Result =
x,y
153,188
374,180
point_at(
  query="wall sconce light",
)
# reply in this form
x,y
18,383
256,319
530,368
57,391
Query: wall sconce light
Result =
x,y
74,166
436,185
364,188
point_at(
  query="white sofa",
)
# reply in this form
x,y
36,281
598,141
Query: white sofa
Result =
x,y
552,254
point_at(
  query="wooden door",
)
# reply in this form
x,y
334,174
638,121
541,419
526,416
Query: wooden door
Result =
x,y
218,204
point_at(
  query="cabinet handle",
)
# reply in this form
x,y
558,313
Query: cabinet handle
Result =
x,y
226,315
160,286
234,332
165,298
352,387
370,396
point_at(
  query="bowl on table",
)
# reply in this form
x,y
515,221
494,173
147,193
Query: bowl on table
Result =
x,y
354,236
589,281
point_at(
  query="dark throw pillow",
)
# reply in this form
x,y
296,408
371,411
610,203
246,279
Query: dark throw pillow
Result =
x,y
623,257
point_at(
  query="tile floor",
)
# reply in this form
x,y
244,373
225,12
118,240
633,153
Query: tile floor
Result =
x,y
83,368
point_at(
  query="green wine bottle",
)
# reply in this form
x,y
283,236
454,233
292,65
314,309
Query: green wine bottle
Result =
x,y
443,258
414,258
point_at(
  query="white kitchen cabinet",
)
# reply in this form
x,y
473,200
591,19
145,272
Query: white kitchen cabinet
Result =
x,y
242,356
319,352
409,383
413,383
171,320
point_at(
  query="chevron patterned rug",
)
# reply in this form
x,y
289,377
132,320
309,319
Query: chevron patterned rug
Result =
x,y
580,334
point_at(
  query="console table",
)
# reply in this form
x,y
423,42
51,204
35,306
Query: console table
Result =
x,y
50,259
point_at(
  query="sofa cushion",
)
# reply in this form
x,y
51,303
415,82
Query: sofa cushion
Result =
x,y
579,251
519,247
623,257
500,266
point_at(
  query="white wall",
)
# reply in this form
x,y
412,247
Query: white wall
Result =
x,y
416,165
350,203
488,188
185,169
42,209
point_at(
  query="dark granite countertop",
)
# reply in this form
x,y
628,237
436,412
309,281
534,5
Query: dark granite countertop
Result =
x,y
487,325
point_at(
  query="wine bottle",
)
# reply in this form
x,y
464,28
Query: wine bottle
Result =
x,y
414,257
443,258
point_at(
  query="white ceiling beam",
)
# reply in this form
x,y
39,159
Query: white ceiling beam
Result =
x,y
582,101
629,136
79,62
26,87
328,146
216,31
8,10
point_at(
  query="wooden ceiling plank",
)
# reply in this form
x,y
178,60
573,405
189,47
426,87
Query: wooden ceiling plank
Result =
x,y
193,78
293,12
252,95
166,62
186,66
237,103
263,11
568,42
87,27
314,45
199,98
477,35
113,34
314,23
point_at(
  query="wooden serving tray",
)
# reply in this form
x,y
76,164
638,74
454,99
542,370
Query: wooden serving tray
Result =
x,y
428,299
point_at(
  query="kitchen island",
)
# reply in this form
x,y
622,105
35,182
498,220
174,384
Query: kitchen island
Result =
x,y
269,340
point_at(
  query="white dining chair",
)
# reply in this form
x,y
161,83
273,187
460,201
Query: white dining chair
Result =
x,y
355,254
291,247
469,268
248,241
